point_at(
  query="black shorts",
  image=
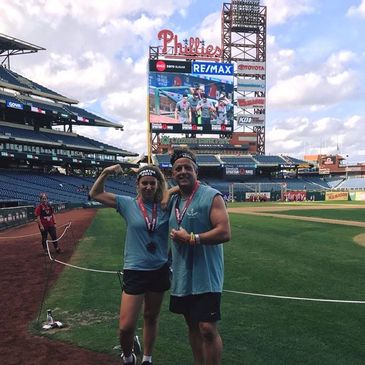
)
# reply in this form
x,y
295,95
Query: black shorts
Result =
x,y
141,281
204,307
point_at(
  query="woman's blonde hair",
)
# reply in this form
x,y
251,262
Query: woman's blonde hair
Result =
x,y
156,172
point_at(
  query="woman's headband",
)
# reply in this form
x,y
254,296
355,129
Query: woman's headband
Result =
x,y
147,172
182,154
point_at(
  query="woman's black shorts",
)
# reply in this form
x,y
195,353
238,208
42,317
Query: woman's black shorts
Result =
x,y
142,281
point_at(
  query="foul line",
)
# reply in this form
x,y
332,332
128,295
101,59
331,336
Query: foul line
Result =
x,y
296,298
29,235
69,265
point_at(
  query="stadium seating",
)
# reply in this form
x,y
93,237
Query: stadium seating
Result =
x,y
24,133
207,160
353,183
26,186
239,160
68,139
269,160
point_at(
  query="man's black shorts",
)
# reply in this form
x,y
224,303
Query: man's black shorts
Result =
x,y
141,281
204,307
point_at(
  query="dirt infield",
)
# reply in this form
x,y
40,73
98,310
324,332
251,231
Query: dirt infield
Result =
x,y
266,211
23,276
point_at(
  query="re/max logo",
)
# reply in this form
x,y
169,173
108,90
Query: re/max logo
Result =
x,y
211,68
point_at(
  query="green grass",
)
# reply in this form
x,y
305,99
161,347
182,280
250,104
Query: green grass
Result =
x,y
342,214
266,255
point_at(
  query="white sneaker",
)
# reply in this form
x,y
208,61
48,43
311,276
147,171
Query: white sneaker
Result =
x,y
133,362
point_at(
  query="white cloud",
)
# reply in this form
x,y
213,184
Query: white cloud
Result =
x,y
127,103
280,11
357,11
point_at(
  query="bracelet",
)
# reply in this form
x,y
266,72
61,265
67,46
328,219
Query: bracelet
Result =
x,y
197,239
192,239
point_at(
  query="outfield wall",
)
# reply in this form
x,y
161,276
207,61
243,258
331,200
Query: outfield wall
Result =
x,y
16,216
337,195
357,195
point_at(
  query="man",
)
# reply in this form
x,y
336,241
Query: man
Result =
x,y
183,110
222,109
199,225
194,101
206,108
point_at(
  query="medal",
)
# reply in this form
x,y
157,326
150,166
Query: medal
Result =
x,y
150,223
151,247
179,216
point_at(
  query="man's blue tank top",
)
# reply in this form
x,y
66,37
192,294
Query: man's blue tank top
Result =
x,y
200,268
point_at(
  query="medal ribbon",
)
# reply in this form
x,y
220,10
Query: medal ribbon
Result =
x,y
180,216
150,224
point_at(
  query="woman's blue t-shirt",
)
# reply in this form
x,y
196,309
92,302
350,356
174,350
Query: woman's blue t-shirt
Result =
x,y
136,254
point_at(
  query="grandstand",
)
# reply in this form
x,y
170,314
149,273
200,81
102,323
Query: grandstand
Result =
x,y
34,155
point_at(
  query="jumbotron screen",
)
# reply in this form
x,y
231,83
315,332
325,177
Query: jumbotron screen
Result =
x,y
190,97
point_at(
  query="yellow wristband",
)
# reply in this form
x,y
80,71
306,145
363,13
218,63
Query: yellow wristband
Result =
x,y
192,238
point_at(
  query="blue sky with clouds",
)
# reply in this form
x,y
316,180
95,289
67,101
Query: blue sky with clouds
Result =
x,y
97,53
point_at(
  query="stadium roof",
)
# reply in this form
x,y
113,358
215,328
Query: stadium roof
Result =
x,y
59,113
54,138
17,46
13,81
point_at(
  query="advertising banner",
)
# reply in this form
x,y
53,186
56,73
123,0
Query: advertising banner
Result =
x,y
337,195
329,160
294,196
250,85
250,102
251,68
239,170
251,119
357,195
258,197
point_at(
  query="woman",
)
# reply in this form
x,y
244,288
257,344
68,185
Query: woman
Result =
x,y
46,222
145,272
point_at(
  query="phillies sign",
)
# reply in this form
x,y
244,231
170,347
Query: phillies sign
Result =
x,y
192,48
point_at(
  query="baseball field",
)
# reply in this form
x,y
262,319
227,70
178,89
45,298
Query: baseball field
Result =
x,y
293,294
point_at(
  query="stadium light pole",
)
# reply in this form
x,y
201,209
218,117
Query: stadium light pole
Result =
x,y
347,167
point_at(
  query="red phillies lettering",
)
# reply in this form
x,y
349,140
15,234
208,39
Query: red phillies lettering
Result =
x,y
194,48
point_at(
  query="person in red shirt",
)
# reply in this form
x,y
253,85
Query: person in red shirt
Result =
x,y
46,222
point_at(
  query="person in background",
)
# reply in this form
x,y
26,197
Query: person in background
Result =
x,y
146,273
183,110
222,110
206,110
46,221
199,225
194,100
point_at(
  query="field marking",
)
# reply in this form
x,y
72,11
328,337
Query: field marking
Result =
x,y
360,239
27,235
265,211
296,298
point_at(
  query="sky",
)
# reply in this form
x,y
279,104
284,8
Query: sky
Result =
x,y
97,53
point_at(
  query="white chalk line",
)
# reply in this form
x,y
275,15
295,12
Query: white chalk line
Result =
x,y
70,265
295,298
27,235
